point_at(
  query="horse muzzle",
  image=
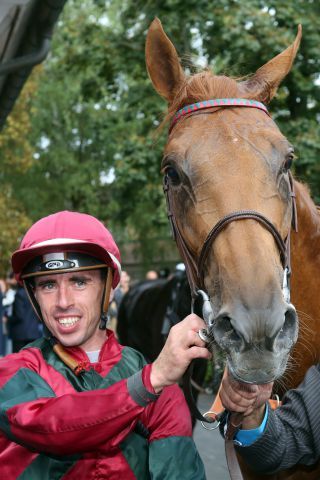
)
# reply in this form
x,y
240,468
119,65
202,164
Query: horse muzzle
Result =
x,y
257,347
257,343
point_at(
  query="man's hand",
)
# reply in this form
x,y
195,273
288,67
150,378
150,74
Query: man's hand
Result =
x,y
245,398
182,346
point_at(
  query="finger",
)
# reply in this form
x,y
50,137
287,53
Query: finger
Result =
x,y
189,338
235,398
194,322
199,352
236,389
197,340
235,404
247,388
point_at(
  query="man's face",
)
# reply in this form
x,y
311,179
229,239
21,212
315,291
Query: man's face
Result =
x,y
71,306
124,280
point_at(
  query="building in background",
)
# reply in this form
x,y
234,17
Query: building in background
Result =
x,y
26,28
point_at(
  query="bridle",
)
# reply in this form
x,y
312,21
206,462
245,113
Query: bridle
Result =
x,y
195,267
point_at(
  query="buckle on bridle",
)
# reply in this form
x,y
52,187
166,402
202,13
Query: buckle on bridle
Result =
x,y
207,315
286,284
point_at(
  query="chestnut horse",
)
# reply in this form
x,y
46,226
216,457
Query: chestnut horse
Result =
x,y
231,203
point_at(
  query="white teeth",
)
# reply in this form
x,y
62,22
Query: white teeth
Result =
x,y
68,322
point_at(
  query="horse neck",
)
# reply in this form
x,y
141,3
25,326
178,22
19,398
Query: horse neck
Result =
x,y
306,242
305,284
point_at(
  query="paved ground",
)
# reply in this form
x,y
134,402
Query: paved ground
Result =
x,y
210,445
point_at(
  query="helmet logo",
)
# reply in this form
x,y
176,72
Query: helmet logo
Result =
x,y
54,264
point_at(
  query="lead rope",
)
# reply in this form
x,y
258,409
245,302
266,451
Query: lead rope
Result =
x,y
214,415
234,425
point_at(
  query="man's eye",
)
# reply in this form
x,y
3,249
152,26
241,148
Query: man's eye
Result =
x,y
47,286
80,283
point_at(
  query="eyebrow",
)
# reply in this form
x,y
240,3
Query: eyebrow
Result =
x,y
81,276
43,281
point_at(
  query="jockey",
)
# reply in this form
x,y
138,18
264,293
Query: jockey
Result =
x,y
75,403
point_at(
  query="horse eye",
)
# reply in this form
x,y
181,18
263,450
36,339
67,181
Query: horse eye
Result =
x,y
288,161
172,175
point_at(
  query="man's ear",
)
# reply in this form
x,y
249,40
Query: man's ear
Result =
x,y
111,297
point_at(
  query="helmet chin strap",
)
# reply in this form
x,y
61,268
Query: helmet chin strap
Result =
x,y
30,292
105,300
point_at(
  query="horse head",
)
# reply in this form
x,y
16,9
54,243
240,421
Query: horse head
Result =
x,y
219,163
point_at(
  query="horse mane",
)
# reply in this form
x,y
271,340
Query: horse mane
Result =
x,y
204,86
307,206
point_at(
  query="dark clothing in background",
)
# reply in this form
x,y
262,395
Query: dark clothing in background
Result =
x,y
118,296
23,325
294,428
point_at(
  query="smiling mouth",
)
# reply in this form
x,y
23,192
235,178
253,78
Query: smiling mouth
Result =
x,y
68,322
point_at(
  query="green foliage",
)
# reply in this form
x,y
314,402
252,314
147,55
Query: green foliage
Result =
x,y
95,112
16,158
15,223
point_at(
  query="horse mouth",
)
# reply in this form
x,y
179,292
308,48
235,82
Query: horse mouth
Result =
x,y
257,371
252,378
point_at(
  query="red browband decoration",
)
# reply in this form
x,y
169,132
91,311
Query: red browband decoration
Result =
x,y
217,102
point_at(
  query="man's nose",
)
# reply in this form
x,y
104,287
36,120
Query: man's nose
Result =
x,y
64,296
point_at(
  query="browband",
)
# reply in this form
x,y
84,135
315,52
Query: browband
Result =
x,y
217,102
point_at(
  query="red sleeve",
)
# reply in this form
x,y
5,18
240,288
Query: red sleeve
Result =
x,y
75,422
169,415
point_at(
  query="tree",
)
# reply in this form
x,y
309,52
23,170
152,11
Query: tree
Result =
x,y
16,158
95,113
14,222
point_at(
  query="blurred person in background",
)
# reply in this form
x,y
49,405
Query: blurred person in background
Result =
x,y
9,288
122,289
152,275
23,324
119,292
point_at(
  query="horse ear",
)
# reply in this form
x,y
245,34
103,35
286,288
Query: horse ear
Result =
x,y
264,83
162,61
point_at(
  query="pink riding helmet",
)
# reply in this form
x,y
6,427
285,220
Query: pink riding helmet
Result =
x,y
67,232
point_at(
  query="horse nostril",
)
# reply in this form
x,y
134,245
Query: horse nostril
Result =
x,y
223,325
225,333
288,333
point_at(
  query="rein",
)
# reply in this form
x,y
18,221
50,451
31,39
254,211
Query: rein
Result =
x,y
195,267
